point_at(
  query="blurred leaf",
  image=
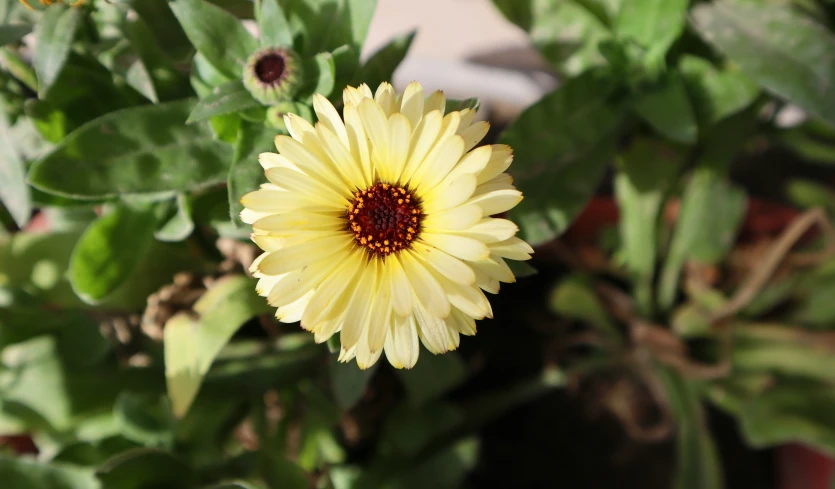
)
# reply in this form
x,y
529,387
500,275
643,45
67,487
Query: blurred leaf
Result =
x,y
565,32
787,54
649,169
784,350
806,145
432,377
180,225
273,25
191,344
281,473
446,468
14,193
562,145
716,94
13,32
329,24
227,98
711,212
470,103
348,383
143,468
668,110
158,17
521,269
381,65
144,419
319,76
408,430
20,473
142,150
54,35
246,173
576,299
654,24
807,194
109,251
217,35
168,82
698,461
791,411
138,77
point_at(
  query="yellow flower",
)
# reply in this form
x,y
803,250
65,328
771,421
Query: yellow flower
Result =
x,y
379,227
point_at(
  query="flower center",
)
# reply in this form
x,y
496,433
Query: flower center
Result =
x,y
270,68
384,218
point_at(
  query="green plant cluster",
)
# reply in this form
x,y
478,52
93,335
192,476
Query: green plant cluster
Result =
x,y
669,98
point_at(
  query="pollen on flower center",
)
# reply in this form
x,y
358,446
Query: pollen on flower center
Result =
x,y
384,218
270,68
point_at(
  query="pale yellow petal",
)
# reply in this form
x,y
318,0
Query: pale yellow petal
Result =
x,y
294,257
329,117
297,283
359,143
292,313
301,184
473,134
402,295
400,133
299,220
458,246
432,332
491,230
269,201
436,101
452,193
500,160
438,164
249,216
375,122
273,160
427,289
460,217
513,248
359,308
423,139
462,323
498,201
386,97
494,267
411,105
341,157
472,162
314,164
502,181
402,347
334,293
450,267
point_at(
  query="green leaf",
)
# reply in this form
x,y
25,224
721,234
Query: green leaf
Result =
x,y
142,150
145,468
14,193
565,32
108,251
179,226
716,94
158,17
138,77
380,67
648,171
145,419
792,411
562,145
668,110
698,461
13,32
20,473
807,194
575,298
217,35
654,24
788,54
784,350
54,35
709,218
470,103
348,382
329,24
246,174
191,344
432,377
319,76
168,82
273,24
521,269
280,472
225,99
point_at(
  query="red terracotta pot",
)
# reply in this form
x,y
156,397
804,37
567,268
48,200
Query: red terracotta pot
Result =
x,y
800,467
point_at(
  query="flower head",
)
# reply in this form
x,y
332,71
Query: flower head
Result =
x,y
272,75
378,227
